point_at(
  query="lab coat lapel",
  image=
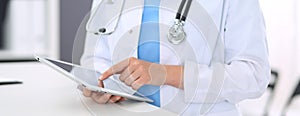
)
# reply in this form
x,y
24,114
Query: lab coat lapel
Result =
x,y
127,44
103,13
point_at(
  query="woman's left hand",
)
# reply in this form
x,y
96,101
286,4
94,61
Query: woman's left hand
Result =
x,y
136,73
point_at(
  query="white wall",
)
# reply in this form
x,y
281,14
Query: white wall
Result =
x,y
32,28
26,27
283,37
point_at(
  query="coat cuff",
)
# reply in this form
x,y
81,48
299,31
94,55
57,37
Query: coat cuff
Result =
x,y
197,79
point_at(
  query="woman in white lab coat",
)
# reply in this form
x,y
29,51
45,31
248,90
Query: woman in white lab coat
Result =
x,y
246,66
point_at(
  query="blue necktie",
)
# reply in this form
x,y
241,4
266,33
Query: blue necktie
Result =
x,y
148,46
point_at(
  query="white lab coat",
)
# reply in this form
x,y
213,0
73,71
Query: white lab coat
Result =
x,y
247,68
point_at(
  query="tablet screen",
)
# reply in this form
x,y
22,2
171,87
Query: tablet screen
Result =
x,y
87,75
91,76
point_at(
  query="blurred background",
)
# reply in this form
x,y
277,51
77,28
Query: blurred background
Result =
x,y
39,26
48,27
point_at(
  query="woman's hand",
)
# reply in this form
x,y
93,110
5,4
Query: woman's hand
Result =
x,y
136,73
102,98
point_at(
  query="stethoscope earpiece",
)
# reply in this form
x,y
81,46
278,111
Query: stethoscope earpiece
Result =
x,y
102,30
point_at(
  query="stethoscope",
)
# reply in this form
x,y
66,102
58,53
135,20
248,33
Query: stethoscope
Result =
x,y
103,30
176,33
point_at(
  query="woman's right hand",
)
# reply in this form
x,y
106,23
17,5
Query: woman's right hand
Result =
x,y
102,98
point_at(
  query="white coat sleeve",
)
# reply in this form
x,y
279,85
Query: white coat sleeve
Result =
x,y
247,69
96,51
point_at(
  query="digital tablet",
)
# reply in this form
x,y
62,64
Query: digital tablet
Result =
x,y
89,78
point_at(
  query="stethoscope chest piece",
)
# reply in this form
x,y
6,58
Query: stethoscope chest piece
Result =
x,y
176,33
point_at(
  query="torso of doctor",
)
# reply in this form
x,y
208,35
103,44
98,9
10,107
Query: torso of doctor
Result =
x,y
242,34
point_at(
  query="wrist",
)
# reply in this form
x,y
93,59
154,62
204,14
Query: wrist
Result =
x,y
174,76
